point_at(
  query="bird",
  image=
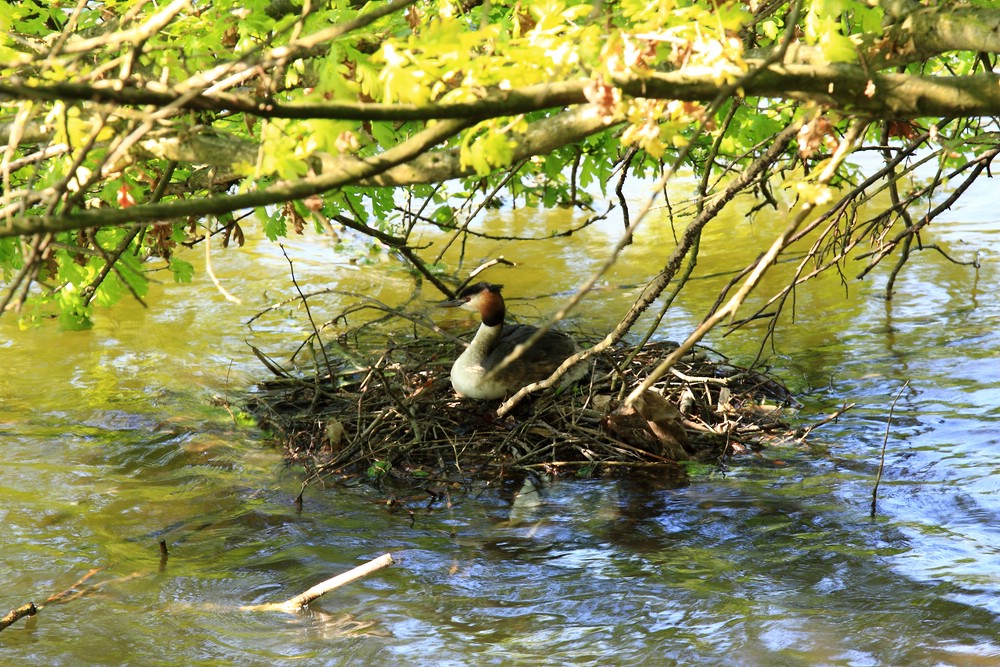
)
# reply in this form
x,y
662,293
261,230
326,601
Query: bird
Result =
x,y
494,341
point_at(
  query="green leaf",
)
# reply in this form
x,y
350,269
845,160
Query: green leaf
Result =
x,y
183,271
275,227
378,469
487,151
838,49
73,314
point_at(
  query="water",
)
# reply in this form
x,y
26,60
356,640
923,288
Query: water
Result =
x,y
117,438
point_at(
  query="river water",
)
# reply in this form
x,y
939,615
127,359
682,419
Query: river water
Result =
x,y
116,438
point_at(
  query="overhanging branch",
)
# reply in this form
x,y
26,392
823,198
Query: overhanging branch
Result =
x,y
848,88
403,165
922,31
542,137
841,86
343,170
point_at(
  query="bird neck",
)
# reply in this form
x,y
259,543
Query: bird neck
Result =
x,y
486,338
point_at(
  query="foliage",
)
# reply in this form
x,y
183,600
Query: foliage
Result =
x,y
135,127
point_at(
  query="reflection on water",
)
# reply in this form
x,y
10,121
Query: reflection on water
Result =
x,y
113,440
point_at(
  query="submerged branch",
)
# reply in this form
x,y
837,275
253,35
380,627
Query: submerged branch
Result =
x,y
801,435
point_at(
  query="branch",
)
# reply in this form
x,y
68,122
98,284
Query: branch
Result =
x,y
542,137
923,31
409,163
491,104
765,262
845,87
150,27
203,145
344,170
912,33
199,145
15,615
299,601
842,86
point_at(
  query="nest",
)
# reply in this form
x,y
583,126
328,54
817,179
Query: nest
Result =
x,y
396,419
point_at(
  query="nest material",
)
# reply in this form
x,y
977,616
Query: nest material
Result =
x,y
399,419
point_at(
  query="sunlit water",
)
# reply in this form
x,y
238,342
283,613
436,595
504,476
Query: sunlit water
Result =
x,y
114,439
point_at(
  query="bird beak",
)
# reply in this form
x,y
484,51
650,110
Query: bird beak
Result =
x,y
453,303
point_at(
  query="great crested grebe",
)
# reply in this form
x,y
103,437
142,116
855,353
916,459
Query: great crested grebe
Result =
x,y
494,341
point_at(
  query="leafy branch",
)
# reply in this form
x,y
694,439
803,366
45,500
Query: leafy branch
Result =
x,y
125,126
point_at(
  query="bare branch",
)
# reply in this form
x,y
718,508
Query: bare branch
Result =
x,y
765,262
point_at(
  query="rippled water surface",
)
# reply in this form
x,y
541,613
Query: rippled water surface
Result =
x,y
114,439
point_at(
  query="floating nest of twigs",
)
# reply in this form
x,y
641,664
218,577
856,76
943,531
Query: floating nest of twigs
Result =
x,y
397,421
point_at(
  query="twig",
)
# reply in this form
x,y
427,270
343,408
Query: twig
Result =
x,y
299,601
482,267
826,420
621,183
885,442
111,264
29,270
464,227
305,304
691,379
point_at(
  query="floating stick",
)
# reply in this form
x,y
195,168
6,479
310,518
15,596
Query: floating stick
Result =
x,y
299,601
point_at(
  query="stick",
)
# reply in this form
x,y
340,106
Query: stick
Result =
x,y
885,441
16,614
482,267
299,601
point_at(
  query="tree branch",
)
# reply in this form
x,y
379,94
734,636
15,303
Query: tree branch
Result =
x,y
763,264
343,170
843,86
921,31
541,137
